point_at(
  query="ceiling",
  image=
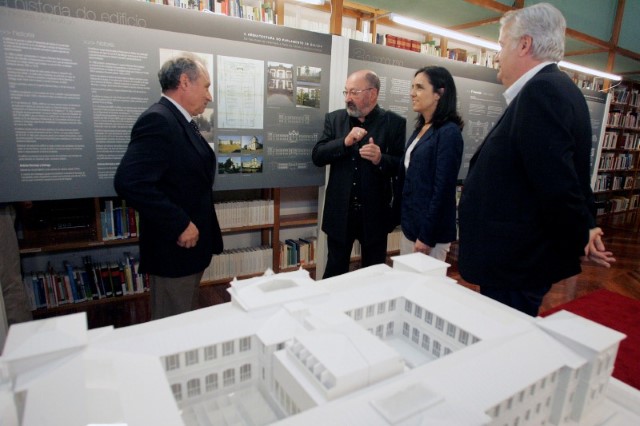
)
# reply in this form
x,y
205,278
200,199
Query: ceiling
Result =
x,y
593,26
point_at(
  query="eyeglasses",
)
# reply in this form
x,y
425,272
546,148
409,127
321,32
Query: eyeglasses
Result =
x,y
355,92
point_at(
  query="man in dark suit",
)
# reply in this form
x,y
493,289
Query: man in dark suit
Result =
x,y
167,174
526,212
363,145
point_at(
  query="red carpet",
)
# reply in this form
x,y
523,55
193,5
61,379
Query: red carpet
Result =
x,y
619,313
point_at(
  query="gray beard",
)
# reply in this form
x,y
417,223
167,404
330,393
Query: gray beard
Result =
x,y
354,112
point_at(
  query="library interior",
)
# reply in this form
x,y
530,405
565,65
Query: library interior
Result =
x,y
77,74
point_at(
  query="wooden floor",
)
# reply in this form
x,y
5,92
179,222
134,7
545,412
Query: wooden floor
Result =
x,y
623,277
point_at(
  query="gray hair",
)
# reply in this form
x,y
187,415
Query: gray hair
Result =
x,y
544,24
171,70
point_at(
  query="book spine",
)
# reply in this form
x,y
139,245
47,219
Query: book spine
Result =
x,y
72,281
105,275
116,279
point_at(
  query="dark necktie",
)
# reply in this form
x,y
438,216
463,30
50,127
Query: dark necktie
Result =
x,y
196,128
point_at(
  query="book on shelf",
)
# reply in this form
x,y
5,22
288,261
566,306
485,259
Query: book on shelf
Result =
x,y
245,213
610,140
91,281
402,43
253,11
297,252
118,221
90,277
107,221
77,291
105,279
620,95
117,278
239,262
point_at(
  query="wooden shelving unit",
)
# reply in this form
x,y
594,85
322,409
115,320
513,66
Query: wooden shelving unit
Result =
x,y
617,188
41,239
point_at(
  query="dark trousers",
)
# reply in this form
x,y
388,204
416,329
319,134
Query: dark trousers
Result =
x,y
527,301
339,253
173,296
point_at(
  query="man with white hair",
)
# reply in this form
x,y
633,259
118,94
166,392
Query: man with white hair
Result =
x,y
526,213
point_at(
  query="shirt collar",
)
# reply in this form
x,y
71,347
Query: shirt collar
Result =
x,y
515,88
180,108
367,119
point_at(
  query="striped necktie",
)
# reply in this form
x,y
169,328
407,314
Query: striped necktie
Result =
x,y
196,128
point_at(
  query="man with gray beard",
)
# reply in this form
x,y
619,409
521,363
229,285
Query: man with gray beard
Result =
x,y
363,144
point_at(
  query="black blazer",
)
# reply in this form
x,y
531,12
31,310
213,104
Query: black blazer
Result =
x,y
527,206
429,185
388,131
167,174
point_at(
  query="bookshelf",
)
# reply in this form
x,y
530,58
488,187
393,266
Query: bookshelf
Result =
x,y
53,234
617,185
345,18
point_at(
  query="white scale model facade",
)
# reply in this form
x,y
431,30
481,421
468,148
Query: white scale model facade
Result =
x,y
378,346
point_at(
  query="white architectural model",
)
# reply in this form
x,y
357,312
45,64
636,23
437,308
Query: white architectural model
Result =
x,y
378,346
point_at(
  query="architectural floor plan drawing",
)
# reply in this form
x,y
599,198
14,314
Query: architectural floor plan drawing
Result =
x,y
401,345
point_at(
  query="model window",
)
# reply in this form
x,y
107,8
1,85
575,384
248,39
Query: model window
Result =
x,y
415,336
447,351
408,306
210,353
428,317
405,329
172,362
381,308
245,344
358,314
418,312
211,382
228,377
463,337
451,330
392,305
371,310
390,328
177,391
193,388
245,372
439,323
349,313
191,357
436,348
227,348
425,342
380,331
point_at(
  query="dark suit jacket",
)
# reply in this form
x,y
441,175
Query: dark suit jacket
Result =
x,y
167,174
388,131
429,189
526,205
